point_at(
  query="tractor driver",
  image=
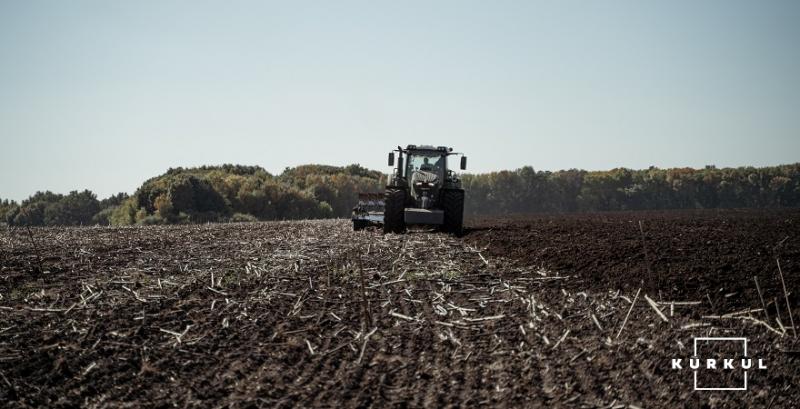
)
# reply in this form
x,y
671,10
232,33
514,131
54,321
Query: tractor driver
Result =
x,y
425,164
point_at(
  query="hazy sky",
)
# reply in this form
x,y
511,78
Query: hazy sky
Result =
x,y
103,95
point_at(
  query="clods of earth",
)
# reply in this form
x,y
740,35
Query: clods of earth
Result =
x,y
527,311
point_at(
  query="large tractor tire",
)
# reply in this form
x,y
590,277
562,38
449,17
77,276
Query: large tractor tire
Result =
x,y
394,206
453,206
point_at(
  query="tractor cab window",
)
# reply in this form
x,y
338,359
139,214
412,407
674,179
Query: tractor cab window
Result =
x,y
429,162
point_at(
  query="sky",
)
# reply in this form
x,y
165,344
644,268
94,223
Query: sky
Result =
x,y
102,95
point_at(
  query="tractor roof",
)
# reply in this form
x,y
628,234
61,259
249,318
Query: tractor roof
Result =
x,y
443,149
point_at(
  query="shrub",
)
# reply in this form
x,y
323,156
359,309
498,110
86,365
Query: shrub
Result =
x,y
242,218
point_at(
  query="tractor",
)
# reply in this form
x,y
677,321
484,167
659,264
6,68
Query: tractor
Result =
x,y
422,190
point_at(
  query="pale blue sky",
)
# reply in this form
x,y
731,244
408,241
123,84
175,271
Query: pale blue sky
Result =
x,y
105,94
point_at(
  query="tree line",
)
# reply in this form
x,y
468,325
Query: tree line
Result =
x,y
205,194
231,193
526,190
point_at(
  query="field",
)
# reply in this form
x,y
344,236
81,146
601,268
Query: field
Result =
x,y
533,311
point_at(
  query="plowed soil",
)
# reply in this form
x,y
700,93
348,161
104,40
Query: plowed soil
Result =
x,y
529,311
683,254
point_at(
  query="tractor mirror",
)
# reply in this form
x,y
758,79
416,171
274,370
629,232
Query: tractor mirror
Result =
x,y
463,163
391,158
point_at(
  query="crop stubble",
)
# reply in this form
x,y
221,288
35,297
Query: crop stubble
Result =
x,y
521,312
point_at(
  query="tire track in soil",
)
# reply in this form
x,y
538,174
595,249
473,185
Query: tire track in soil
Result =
x,y
356,386
433,373
338,371
407,376
411,337
311,371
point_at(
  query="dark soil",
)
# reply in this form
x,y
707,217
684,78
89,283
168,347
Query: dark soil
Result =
x,y
521,312
683,254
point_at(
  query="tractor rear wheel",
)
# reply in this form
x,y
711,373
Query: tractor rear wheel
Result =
x,y
394,205
453,206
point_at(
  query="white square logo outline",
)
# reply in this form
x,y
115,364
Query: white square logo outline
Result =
x,y
744,343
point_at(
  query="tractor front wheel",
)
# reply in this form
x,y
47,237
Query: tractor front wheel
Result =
x,y
394,205
453,206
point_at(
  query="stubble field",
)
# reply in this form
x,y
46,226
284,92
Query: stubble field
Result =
x,y
521,311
